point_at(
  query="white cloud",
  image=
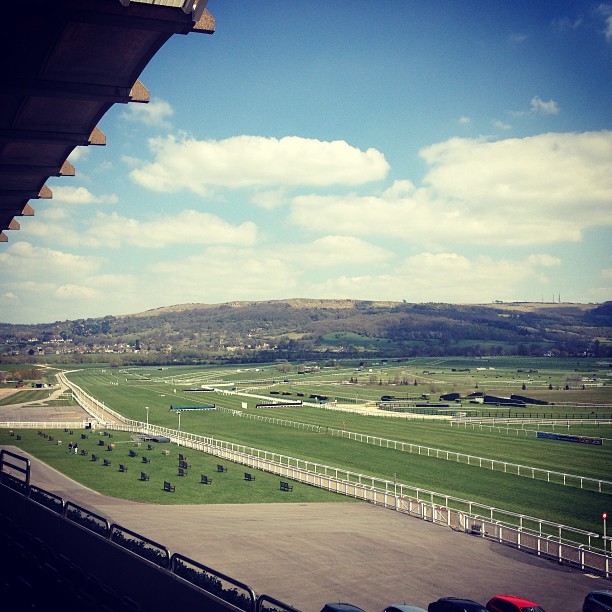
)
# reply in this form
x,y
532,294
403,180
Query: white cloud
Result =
x,y
606,11
269,200
80,195
540,107
74,292
220,274
565,24
443,277
331,251
518,38
186,227
23,260
154,114
464,120
79,154
501,125
252,161
8,299
535,190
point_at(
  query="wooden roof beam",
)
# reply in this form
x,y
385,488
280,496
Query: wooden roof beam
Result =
x,y
96,138
48,88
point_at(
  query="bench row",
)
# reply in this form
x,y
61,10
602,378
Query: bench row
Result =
x,y
284,486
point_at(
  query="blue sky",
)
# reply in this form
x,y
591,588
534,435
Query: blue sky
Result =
x,y
395,150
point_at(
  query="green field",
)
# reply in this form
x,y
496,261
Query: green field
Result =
x,y
129,391
227,488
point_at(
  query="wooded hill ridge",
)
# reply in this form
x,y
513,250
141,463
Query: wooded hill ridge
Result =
x,y
302,329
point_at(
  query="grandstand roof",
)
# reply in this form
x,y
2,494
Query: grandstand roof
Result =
x,y
65,63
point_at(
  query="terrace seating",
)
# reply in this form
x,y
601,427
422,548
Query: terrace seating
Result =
x,y
169,487
95,457
248,476
133,453
146,460
144,476
123,468
205,479
84,452
182,472
184,465
285,486
221,468
107,462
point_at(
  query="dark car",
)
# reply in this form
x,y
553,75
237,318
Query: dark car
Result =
x,y
598,601
400,607
341,607
512,603
455,604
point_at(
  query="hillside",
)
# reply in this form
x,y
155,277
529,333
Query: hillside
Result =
x,y
310,329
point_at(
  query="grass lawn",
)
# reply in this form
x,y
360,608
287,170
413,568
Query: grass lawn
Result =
x,y
130,390
227,488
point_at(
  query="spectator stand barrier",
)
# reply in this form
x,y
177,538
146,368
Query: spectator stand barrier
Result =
x,y
221,590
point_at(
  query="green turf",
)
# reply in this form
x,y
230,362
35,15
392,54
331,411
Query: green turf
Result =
x,y
227,487
129,390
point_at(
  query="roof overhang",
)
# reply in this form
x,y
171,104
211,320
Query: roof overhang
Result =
x,y
65,63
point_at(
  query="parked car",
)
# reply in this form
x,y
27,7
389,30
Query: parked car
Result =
x,y
598,601
512,603
341,607
455,604
398,607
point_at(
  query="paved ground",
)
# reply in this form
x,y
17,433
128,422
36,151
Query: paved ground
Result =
x,y
307,554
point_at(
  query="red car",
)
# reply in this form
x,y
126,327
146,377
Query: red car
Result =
x,y
511,603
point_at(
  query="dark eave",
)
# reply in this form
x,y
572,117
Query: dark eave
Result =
x,y
65,63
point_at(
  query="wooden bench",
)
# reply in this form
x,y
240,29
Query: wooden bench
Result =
x,y
285,486
182,472
169,487
144,476
122,468
107,462
248,476
95,457
146,460
133,453
221,468
205,479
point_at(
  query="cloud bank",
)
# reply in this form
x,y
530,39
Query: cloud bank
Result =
x,y
251,161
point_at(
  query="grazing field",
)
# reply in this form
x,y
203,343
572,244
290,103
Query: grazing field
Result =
x,y
578,390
